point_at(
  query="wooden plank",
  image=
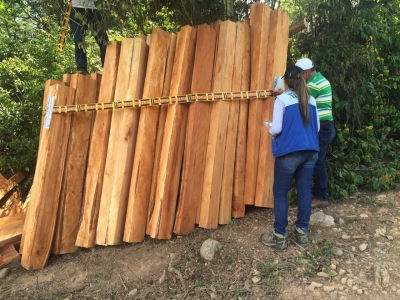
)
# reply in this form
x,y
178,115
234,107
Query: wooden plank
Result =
x,y
162,220
276,65
11,228
122,141
3,181
143,162
215,155
9,185
67,79
196,133
42,212
259,22
97,76
98,151
8,254
242,77
161,125
69,212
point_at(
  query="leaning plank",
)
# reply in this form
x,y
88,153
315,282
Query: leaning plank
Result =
x,y
9,185
260,22
98,151
11,228
68,216
161,124
276,64
215,155
8,254
122,141
143,162
241,58
42,212
241,78
196,133
162,220
67,79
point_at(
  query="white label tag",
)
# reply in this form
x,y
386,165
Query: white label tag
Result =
x,y
278,83
49,110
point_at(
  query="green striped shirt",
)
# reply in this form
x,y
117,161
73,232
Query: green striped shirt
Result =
x,y
321,90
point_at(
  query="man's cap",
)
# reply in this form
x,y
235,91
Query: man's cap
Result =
x,y
305,63
293,72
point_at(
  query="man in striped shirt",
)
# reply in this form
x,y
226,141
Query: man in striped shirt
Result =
x,y
321,90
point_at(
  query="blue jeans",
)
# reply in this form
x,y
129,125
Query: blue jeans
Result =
x,y
298,165
320,175
90,18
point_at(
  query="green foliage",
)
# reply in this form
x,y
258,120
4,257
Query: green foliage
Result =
x,y
364,69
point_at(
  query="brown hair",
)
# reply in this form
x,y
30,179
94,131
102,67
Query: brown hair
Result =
x,y
300,88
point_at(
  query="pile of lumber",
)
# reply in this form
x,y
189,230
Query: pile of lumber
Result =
x,y
11,218
112,176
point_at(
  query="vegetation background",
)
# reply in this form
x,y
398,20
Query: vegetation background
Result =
x,y
355,45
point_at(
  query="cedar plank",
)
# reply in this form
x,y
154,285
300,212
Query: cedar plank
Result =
x,y
11,228
8,254
98,151
9,184
242,74
196,133
215,155
143,162
162,220
67,223
42,212
259,22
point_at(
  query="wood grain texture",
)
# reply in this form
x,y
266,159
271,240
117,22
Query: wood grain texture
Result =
x,y
139,192
122,141
162,219
42,212
11,228
196,133
216,146
242,79
98,151
260,24
8,254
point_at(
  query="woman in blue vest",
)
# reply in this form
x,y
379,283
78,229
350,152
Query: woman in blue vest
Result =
x,y
294,129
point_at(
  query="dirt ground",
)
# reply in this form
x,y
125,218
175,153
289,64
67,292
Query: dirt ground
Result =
x,y
357,258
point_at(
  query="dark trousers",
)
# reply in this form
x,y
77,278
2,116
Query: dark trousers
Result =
x,y
320,175
89,18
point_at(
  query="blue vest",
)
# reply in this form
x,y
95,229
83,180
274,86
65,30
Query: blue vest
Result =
x,y
295,136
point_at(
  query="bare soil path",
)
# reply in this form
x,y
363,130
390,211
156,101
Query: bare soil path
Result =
x,y
357,258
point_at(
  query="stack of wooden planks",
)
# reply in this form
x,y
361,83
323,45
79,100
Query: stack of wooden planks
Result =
x,y
113,176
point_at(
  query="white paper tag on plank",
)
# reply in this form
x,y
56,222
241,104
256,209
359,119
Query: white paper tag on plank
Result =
x,y
278,83
49,112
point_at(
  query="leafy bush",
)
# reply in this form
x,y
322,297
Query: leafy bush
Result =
x,y
354,47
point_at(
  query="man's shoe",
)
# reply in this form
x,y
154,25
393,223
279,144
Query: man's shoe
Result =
x,y
81,71
300,234
315,203
274,240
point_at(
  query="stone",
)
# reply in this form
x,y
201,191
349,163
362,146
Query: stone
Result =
x,y
342,272
380,232
313,285
322,219
4,272
359,291
323,274
363,216
381,275
341,222
256,279
344,280
345,237
132,293
363,246
209,248
328,288
333,295
337,252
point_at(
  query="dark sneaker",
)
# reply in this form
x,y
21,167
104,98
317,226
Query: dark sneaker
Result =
x,y
315,203
274,240
301,235
81,71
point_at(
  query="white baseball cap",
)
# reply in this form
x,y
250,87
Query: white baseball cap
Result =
x,y
305,63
